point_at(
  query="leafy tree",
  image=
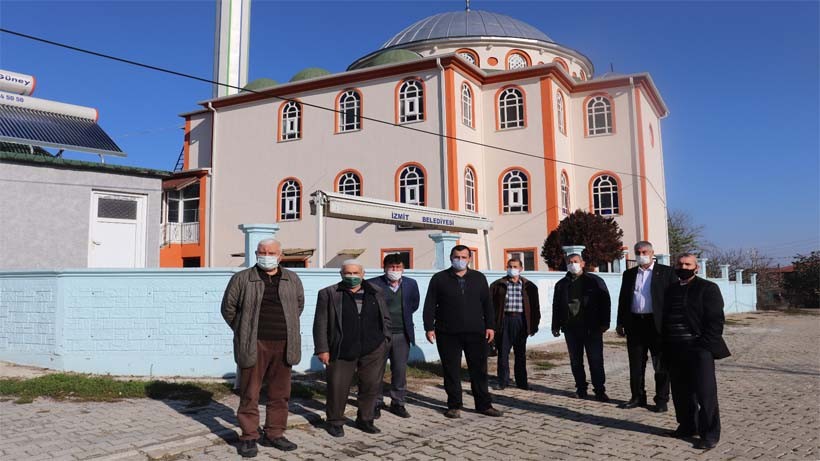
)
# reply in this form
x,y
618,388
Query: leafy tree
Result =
x,y
683,234
802,287
600,235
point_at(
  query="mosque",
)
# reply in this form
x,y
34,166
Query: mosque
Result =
x,y
471,112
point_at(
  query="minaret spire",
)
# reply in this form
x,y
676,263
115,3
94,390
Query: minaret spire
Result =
x,y
468,5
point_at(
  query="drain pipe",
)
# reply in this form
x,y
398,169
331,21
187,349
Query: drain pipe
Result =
x,y
442,139
211,176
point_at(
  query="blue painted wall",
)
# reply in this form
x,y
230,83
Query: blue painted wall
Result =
x,y
166,322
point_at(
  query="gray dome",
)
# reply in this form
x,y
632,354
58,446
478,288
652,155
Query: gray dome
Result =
x,y
466,24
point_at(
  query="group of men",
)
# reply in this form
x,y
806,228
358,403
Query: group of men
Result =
x,y
360,324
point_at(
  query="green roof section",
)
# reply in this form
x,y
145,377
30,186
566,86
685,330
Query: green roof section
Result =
x,y
24,149
260,84
57,162
310,72
391,57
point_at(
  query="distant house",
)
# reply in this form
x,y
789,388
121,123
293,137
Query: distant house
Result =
x,y
57,213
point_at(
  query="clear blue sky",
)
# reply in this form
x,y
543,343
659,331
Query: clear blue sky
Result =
x,y
740,78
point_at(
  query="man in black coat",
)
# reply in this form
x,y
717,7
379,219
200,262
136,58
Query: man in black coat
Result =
x,y
580,308
458,316
640,313
692,340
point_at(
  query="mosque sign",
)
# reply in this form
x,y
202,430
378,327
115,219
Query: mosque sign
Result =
x,y
335,205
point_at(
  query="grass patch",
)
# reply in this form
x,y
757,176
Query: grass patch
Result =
x,y
74,386
306,391
544,360
731,321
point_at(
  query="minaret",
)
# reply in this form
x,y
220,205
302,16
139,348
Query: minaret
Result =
x,y
231,45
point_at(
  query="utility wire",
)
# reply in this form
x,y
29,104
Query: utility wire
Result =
x,y
361,117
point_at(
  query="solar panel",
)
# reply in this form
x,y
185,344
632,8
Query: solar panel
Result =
x,y
48,129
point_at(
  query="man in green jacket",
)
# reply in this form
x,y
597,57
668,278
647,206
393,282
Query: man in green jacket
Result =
x,y
262,305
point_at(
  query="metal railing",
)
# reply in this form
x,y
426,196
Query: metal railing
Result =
x,y
186,232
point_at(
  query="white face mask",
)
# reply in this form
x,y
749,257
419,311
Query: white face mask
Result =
x,y
644,260
574,268
267,263
513,272
459,264
393,276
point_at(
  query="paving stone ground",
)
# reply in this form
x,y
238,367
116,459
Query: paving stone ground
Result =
x,y
768,402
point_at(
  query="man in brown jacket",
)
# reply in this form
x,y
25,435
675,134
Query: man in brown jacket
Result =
x,y
262,305
517,315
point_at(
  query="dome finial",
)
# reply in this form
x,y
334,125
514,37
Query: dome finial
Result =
x,y
468,5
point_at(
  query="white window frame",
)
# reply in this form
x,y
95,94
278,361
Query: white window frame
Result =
x,y
175,198
514,190
411,101
350,101
290,196
466,105
291,121
411,185
519,255
559,110
602,186
469,190
521,63
599,106
350,184
468,57
564,194
511,98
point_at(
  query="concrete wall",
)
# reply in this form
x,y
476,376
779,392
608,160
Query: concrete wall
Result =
x,y
45,214
166,322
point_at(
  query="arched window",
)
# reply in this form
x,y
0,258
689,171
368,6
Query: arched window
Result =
x,y
291,120
564,193
411,101
466,105
559,111
599,116
515,192
605,200
350,111
583,75
468,55
469,190
517,61
411,185
561,63
349,183
290,193
510,109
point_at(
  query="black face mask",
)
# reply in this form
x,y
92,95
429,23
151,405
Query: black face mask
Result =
x,y
685,274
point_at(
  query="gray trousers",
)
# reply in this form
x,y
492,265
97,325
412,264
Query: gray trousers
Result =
x,y
370,369
398,352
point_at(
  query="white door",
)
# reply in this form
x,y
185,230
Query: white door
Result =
x,y
117,237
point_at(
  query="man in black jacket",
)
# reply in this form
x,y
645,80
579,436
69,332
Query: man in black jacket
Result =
x,y
580,308
458,316
692,340
351,330
640,312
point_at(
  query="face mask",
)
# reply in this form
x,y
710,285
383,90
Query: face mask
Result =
x,y
644,260
574,268
685,274
513,272
459,264
351,282
393,276
267,263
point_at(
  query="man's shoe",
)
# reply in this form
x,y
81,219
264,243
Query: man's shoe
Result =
x,y
705,445
247,448
581,394
377,413
660,408
367,426
524,387
335,431
492,412
280,443
452,413
601,397
678,434
399,411
499,388
634,403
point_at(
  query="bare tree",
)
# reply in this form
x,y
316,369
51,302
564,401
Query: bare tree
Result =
x,y
684,235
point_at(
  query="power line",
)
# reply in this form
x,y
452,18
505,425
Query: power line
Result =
x,y
316,106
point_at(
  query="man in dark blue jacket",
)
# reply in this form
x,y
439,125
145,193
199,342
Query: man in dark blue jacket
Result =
x,y
402,296
580,308
459,317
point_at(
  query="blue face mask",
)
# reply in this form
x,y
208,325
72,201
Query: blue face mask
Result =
x,y
267,263
459,264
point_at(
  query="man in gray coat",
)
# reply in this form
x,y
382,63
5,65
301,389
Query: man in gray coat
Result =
x,y
262,305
